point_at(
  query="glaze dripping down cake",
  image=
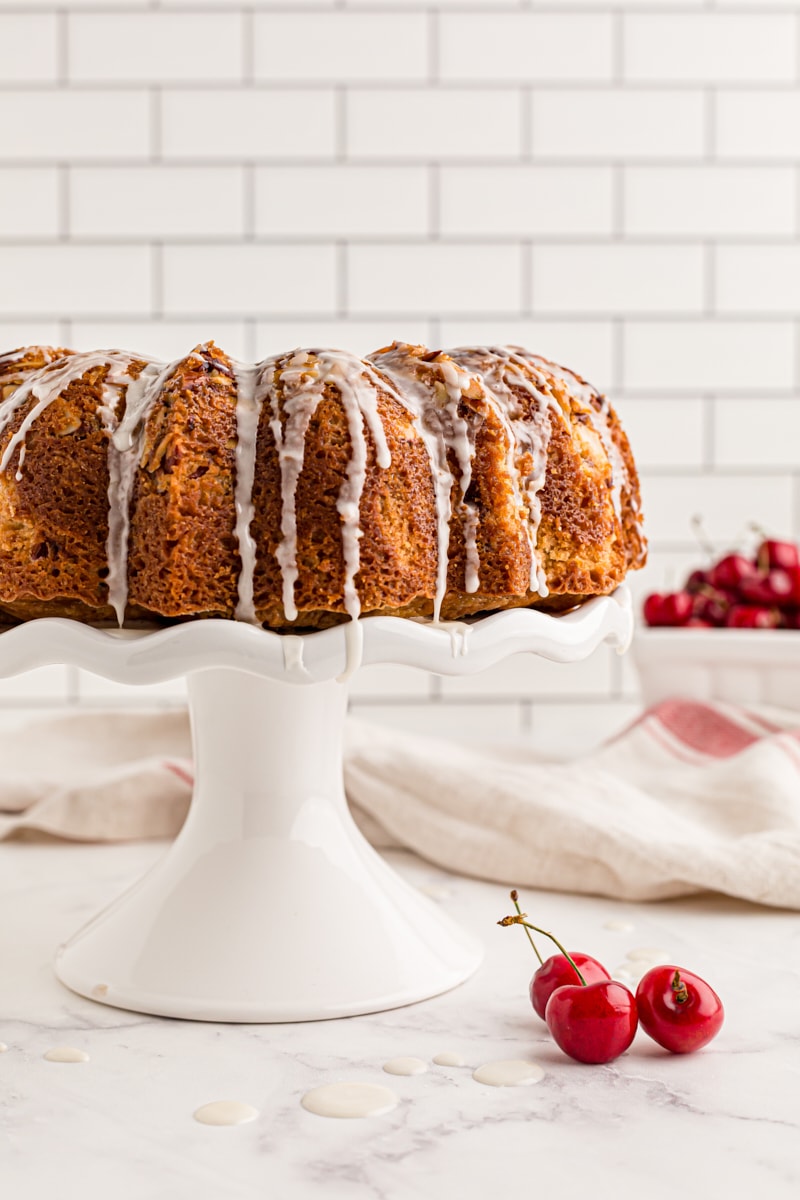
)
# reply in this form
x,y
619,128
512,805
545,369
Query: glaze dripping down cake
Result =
x,y
310,488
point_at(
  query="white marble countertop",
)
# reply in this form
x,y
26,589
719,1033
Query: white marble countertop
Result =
x,y
723,1122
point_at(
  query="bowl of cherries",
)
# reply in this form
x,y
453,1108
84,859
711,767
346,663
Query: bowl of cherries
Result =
x,y
729,633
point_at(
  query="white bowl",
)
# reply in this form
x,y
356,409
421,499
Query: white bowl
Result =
x,y
740,666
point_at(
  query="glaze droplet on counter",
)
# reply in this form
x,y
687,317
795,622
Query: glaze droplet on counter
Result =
x,y
508,1072
619,926
3,1047
449,1059
66,1054
350,1100
648,954
225,1112
435,892
405,1066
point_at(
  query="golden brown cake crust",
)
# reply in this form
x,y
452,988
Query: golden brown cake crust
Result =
x,y
54,504
183,558
550,491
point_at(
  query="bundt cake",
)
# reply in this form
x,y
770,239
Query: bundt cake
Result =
x,y
309,488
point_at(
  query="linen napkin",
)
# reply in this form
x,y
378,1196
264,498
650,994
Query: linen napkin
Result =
x,y
692,797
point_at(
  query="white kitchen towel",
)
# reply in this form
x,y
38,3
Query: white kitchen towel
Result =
x,y
692,797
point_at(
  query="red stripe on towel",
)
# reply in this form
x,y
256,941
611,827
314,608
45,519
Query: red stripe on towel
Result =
x,y
180,771
703,728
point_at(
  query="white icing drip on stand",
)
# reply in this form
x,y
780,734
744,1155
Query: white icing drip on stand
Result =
x,y
354,649
249,398
293,648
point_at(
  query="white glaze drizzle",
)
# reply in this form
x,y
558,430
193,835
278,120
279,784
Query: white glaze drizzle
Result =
x,y
354,649
301,391
12,357
350,1100
501,368
249,398
124,451
441,428
459,632
580,389
296,384
225,1112
47,384
293,648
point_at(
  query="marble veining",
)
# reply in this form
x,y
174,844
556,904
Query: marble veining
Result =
x,y
123,1122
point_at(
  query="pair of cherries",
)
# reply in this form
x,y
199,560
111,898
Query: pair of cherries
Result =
x,y
594,1019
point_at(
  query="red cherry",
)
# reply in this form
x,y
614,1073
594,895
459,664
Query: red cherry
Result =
x,y
711,606
593,1024
678,1009
776,587
652,609
731,570
750,616
556,971
794,575
785,555
696,581
676,608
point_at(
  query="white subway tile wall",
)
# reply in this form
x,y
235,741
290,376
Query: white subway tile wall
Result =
x,y
615,183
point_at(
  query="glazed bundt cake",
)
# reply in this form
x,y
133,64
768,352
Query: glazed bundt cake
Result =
x,y
309,488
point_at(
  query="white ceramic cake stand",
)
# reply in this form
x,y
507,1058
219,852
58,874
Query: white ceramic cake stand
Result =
x,y
270,905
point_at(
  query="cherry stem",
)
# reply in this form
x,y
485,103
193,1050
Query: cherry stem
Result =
x,y
679,989
515,899
702,537
520,920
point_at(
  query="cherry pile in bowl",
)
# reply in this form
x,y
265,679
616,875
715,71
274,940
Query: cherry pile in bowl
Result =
x,y
594,1019
736,592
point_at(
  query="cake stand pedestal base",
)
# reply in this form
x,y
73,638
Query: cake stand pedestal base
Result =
x,y
270,905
